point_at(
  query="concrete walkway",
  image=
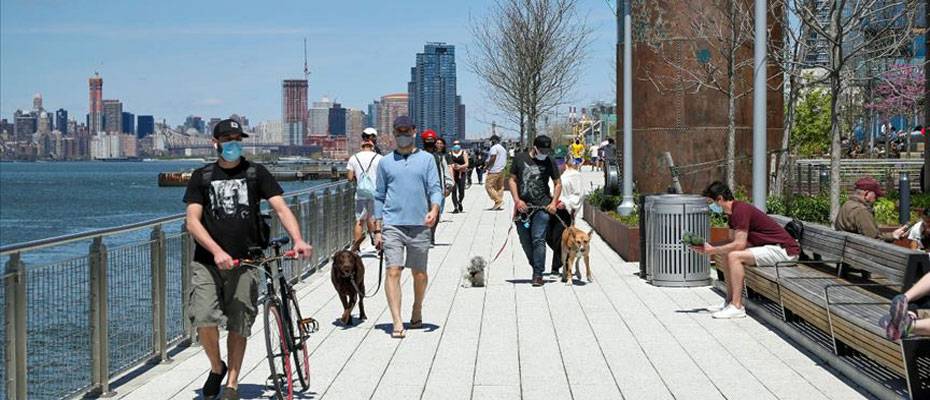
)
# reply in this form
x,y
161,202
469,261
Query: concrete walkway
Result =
x,y
618,337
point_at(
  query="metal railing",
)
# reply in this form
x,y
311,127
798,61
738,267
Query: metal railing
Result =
x,y
81,309
812,176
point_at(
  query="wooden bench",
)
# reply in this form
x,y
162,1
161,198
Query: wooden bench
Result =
x,y
846,306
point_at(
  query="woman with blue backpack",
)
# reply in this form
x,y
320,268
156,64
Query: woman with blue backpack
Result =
x,y
363,169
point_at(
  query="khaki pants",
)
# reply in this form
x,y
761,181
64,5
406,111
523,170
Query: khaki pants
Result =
x,y
494,185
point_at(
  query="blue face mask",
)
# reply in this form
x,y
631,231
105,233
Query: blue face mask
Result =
x,y
231,151
715,208
456,148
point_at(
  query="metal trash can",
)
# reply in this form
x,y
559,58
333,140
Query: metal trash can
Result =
x,y
668,262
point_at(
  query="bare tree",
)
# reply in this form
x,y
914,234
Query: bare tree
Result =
x,y
529,55
717,56
854,33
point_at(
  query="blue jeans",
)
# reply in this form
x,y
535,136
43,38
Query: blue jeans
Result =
x,y
533,240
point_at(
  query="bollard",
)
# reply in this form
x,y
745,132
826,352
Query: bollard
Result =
x,y
824,179
904,190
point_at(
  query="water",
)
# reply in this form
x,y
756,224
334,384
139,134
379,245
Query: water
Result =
x,y
48,199
41,200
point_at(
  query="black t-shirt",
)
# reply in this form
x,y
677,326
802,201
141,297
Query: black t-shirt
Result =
x,y
230,206
533,177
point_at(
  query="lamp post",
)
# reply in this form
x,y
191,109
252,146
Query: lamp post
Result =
x,y
759,179
626,207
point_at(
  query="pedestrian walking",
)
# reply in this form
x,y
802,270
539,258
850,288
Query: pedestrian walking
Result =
x,y
363,169
224,217
407,203
530,174
481,162
497,161
459,163
569,203
429,139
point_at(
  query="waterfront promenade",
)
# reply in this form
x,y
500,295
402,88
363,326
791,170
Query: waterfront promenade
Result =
x,y
618,337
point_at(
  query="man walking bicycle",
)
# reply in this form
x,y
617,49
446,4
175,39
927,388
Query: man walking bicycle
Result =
x,y
224,218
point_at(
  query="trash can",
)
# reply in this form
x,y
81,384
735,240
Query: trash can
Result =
x,y
668,262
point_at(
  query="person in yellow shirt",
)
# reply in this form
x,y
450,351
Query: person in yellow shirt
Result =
x,y
577,151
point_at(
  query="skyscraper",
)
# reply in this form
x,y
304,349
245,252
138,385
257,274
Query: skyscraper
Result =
x,y
25,124
196,123
356,121
129,123
392,106
37,102
61,121
373,113
460,116
145,125
95,109
294,109
319,117
432,91
337,120
112,116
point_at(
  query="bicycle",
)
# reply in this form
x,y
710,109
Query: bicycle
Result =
x,y
286,331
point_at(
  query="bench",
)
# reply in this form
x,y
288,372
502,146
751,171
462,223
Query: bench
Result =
x,y
820,290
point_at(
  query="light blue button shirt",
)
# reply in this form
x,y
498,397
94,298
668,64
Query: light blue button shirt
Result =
x,y
406,187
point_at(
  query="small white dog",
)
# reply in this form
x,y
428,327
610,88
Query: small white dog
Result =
x,y
473,275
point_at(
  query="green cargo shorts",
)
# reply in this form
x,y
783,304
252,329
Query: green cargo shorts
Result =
x,y
223,298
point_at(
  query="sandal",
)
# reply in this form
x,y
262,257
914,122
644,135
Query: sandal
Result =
x,y
399,334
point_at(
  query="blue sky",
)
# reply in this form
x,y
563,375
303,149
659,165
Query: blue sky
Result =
x,y
214,58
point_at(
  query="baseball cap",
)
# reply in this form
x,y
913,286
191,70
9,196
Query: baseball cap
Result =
x,y
495,138
428,135
542,142
369,131
869,183
228,127
403,122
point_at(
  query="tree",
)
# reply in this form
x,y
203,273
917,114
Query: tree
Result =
x,y
811,133
899,91
852,33
529,55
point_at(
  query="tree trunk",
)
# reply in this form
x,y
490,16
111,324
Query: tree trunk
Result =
x,y
835,148
784,155
731,140
522,129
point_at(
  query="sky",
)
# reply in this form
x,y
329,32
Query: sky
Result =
x,y
213,58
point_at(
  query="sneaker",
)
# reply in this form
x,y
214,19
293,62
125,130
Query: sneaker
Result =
x,y
730,312
898,310
716,307
900,330
211,388
537,281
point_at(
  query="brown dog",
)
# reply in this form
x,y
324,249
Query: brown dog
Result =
x,y
574,242
348,268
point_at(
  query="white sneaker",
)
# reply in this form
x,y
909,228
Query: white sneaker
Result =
x,y
716,307
730,312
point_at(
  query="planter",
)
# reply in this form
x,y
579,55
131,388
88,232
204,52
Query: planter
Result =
x,y
621,238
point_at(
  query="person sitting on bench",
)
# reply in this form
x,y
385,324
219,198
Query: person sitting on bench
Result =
x,y
901,323
919,235
856,214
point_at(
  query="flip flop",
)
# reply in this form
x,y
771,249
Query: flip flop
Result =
x,y
399,334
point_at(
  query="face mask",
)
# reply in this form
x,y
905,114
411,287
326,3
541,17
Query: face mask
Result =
x,y
715,208
456,148
404,141
540,155
231,151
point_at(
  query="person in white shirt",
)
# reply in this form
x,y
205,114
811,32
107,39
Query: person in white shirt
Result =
x,y
494,183
919,234
570,200
363,169
594,161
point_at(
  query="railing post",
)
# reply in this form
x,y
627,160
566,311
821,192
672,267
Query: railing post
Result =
x,y
347,214
187,256
327,221
15,310
159,293
99,329
313,212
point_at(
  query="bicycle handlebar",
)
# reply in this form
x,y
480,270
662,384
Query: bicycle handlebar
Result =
x,y
290,254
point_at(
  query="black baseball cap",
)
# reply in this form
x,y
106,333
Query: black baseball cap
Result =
x,y
228,127
542,142
403,122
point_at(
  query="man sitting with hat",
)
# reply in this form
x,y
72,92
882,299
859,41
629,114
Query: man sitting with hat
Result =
x,y
857,215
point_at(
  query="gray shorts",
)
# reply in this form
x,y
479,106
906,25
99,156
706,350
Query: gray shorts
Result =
x,y
414,239
364,209
223,298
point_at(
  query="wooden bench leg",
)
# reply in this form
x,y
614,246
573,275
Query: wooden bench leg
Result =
x,y
916,353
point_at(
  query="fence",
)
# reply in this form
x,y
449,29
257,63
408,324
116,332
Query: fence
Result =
x,y
812,176
82,309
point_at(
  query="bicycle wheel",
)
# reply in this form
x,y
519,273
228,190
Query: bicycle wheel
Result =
x,y
301,350
276,338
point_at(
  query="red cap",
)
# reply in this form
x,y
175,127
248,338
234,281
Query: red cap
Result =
x,y
428,134
869,183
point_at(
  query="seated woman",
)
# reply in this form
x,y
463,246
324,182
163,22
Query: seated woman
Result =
x,y
919,235
902,323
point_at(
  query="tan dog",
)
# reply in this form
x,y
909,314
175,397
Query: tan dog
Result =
x,y
575,242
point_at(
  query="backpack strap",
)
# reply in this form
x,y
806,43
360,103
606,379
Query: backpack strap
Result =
x,y
372,161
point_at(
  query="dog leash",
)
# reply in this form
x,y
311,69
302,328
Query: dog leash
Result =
x,y
532,210
380,274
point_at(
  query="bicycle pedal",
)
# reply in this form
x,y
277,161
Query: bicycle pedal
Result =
x,y
309,324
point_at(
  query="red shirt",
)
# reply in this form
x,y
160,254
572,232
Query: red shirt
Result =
x,y
762,229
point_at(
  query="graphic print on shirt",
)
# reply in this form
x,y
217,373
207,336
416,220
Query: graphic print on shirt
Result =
x,y
229,199
535,185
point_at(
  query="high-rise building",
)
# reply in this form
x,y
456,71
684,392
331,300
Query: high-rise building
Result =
x,y
294,109
432,91
61,121
25,124
44,123
145,125
6,128
95,109
392,106
356,122
129,123
318,116
373,113
194,122
460,116
112,116
37,102
337,120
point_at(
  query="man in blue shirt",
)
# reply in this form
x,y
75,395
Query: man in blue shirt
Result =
x,y
407,200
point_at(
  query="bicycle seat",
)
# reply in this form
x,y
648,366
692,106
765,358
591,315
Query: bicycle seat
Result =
x,y
279,241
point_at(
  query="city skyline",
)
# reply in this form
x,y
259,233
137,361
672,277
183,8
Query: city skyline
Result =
x,y
175,65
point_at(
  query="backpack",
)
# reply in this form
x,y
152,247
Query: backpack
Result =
x,y
795,228
365,189
260,220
